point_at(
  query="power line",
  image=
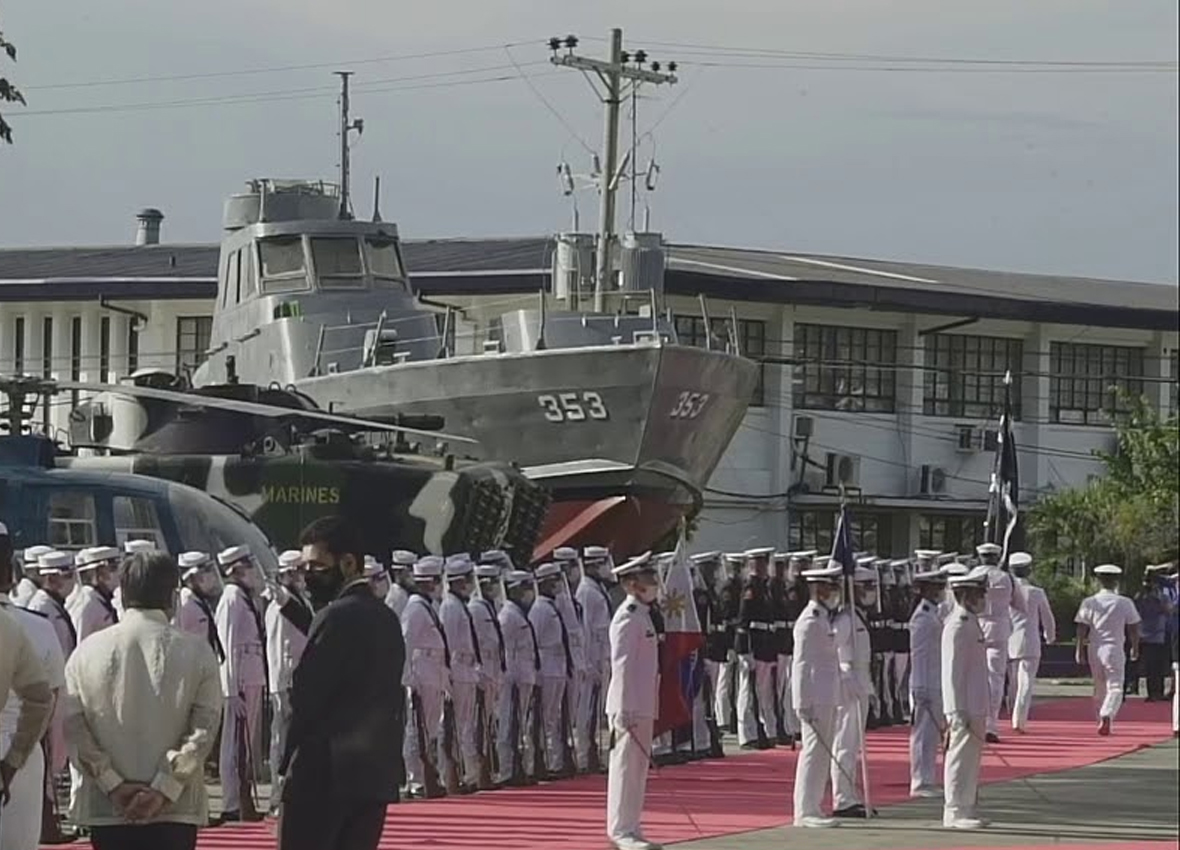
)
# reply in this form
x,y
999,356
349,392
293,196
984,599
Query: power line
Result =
x,y
925,69
553,110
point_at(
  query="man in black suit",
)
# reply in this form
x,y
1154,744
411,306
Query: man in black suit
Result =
x,y
343,759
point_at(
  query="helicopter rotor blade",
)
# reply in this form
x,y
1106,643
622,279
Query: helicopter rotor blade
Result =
x,y
255,409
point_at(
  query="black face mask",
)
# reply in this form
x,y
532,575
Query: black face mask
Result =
x,y
323,586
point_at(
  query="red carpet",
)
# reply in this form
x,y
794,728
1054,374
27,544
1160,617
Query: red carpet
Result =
x,y
737,794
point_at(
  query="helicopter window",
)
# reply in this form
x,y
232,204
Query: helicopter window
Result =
x,y
282,264
384,261
136,519
71,520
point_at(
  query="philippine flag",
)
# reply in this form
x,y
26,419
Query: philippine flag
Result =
x,y
682,645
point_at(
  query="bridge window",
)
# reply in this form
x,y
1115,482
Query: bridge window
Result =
x,y
282,264
71,520
383,258
337,262
136,519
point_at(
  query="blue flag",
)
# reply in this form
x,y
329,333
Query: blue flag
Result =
x,y
843,551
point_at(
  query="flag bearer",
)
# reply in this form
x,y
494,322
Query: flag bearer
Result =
x,y
1105,622
996,622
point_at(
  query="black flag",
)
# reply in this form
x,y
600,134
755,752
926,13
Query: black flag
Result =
x,y
1003,494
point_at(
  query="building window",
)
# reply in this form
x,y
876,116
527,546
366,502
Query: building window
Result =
x,y
950,532
816,529
46,365
965,375
690,330
845,369
71,520
132,346
192,342
75,357
104,349
18,352
1173,379
1088,382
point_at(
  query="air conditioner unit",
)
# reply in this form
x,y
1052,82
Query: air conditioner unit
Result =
x,y
803,426
842,470
933,481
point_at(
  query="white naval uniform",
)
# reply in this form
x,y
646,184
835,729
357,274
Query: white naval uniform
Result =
x,y
1107,614
925,695
522,662
494,667
856,683
397,598
1024,647
196,617
815,693
1003,598
556,667
20,824
243,681
285,644
22,594
631,708
466,666
596,617
90,611
428,677
965,691
575,626
49,607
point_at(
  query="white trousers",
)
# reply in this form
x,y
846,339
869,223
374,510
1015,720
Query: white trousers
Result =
x,y
552,693
590,719
280,722
847,740
463,706
1022,676
1107,667
626,780
700,720
431,701
786,713
755,682
723,693
514,730
20,822
925,740
960,771
997,669
813,768
231,728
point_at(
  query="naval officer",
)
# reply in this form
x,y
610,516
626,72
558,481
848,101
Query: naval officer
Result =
x,y
926,683
1105,621
1024,646
815,692
1003,597
92,608
856,683
631,703
965,691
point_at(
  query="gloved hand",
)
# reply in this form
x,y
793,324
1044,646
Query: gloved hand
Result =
x,y
731,656
1080,657
747,662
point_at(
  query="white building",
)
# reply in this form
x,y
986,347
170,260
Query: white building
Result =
x,y
885,378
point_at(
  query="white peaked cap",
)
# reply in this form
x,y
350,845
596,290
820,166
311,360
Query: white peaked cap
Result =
x,y
55,563
866,559
430,566
457,567
972,578
290,560
232,555
926,554
192,560
1108,570
373,568
734,557
863,575
93,557
947,557
547,570
828,574
134,547
1019,559
803,554
634,566
931,577
32,553
565,553
988,549
1156,568
400,558
595,553
495,556
955,568
759,552
513,578
488,571
705,557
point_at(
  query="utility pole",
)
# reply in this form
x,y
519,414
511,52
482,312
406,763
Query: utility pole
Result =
x,y
346,127
612,72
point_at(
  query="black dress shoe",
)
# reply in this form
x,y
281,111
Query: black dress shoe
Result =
x,y
992,738
751,745
785,740
857,811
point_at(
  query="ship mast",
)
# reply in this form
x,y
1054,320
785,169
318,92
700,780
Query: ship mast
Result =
x,y
612,72
346,126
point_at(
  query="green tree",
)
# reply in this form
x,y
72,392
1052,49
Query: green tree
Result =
x,y
8,92
1128,516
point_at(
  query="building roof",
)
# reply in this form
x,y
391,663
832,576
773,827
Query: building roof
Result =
x,y
473,266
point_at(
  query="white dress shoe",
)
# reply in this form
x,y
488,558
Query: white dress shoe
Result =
x,y
635,842
963,823
816,823
927,791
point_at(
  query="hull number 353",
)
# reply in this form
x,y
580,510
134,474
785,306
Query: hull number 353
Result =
x,y
689,405
573,407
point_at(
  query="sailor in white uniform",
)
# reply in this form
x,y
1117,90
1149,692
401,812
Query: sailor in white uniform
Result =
x,y
55,570
592,596
1024,646
466,669
569,561
93,608
288,621
557,665
815,693
631,703
1003,598
378,578
484,607
1106,621
30,581
200,588
926,682
401,568
522,667
427,676
242,632
965,691
856,683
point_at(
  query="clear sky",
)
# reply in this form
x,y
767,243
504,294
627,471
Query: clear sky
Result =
x,y
1039,169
